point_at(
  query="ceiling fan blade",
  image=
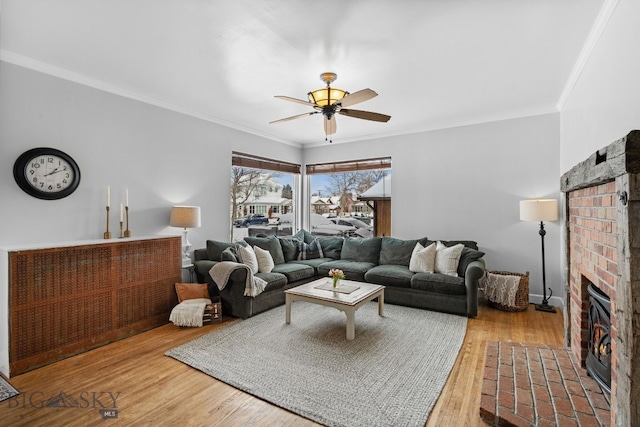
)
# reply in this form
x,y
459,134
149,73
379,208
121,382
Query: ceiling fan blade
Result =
x,y
329,125
365,115
357,97
296,100
294,117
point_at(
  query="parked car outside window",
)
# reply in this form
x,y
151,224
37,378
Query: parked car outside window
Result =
x,y
253,219
362,229
321,226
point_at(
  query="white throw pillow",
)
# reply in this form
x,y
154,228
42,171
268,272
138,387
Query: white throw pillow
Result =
x,y
423,259
265,260
447,258
248,257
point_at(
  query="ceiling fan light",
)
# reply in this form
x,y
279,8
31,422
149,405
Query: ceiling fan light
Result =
x,y
326,96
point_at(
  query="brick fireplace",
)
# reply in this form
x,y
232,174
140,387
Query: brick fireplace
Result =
x,y
603,248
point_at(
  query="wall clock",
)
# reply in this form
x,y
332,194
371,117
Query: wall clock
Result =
x,y
46,173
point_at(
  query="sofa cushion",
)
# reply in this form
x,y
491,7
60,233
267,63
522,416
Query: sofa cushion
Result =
x,y
448,258
312,263
423,260
396,251
390,275
439,283
271,244
331,246
353,270
294,272
274,280
360,249
289,248
311,250
467,257
215,248
304,236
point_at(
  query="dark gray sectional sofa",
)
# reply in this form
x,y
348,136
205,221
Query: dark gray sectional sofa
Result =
x,y
380,260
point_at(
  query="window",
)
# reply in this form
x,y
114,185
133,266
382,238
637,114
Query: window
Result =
x,y
266,188
350,189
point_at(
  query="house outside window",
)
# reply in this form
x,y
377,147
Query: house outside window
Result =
x,y
336,191
265,188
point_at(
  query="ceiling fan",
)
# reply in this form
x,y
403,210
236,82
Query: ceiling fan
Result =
x,y
331,101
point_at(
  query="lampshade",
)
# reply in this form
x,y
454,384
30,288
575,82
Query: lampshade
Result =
x,y
326,96
539,210
185,216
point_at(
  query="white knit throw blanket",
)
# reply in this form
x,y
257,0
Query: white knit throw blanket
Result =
x,y
189,312
502,289
221,271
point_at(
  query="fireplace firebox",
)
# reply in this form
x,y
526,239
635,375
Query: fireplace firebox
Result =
x,y
598,361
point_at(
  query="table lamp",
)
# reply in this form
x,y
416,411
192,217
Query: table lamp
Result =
x,y
185,217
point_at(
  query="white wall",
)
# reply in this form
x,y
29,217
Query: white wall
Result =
x,y
163,157
603,105
466,183
460,183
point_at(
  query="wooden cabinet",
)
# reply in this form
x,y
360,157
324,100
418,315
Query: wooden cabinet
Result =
x,y
67,300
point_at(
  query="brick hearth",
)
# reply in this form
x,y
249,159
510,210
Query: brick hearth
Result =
x,y
538,385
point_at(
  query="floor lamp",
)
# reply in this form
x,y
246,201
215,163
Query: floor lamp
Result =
x,y
541,210
185,217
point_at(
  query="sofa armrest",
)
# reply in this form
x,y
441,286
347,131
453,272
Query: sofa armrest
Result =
x,y
202,268
475,270
234,302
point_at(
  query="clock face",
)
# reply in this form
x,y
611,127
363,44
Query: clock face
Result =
x,y
46,173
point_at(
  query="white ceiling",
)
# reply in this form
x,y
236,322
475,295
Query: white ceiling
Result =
x,y
434,63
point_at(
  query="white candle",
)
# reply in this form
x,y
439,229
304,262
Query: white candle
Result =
x,y
108,196
121,212
126,197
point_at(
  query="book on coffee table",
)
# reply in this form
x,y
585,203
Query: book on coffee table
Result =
x,y
343,288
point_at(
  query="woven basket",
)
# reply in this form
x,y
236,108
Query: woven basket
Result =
x,y
522,296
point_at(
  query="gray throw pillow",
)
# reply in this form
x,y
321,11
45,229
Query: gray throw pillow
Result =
x,y
271,244
468,243
230,254
215,248
396,251
289,248
467,257
304,236
311,250
331,246
361,249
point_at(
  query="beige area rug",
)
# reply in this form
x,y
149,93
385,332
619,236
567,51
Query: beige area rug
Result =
x,y
391,374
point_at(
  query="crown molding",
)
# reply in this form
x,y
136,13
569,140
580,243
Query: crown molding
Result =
x,y
42,67
596,31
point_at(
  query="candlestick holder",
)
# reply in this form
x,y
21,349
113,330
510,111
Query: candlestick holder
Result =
x,y
121,229
127,232
107,234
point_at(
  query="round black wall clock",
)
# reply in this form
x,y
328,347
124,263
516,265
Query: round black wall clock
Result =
x,y
46,173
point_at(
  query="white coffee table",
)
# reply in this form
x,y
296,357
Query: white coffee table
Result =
x,y
348,303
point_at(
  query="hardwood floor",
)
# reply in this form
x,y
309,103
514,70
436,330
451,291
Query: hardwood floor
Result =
x,y
148,388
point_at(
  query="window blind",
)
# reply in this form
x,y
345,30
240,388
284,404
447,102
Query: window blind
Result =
x,y
256,162
349,166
